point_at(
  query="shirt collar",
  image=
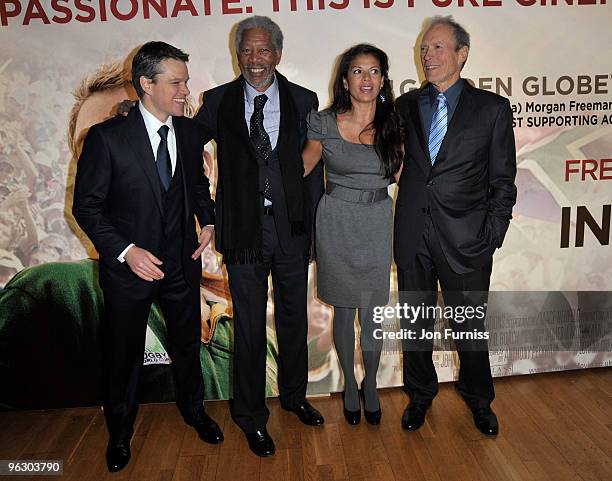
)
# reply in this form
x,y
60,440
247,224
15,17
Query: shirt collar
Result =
x,y
152,123
452,93
271,92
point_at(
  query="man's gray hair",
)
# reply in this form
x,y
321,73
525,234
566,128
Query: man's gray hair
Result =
x,y
259,21
462,38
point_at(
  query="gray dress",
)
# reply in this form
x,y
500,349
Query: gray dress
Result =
x,y
353,240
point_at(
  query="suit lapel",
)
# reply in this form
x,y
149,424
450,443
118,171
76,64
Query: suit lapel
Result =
x,y
415,114
462,118
138,140
179,134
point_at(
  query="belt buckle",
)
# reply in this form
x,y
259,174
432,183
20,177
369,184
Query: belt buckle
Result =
x,y
370,196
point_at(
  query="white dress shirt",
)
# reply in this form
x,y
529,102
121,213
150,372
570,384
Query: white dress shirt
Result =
x,y
271,109
152,125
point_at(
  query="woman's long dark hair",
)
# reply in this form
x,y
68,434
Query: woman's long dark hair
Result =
x,y
388,134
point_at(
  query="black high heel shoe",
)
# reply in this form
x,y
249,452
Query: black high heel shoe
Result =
x,y
352,417
372,417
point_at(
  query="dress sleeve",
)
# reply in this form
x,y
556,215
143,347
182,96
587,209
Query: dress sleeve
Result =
x,y
317,126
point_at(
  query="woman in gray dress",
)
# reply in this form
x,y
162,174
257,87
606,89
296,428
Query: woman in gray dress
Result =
x,y
360,141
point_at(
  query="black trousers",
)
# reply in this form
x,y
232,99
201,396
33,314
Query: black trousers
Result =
x,y
418,285
127,304
249,289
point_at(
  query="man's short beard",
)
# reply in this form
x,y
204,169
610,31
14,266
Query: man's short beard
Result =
x,y
264,83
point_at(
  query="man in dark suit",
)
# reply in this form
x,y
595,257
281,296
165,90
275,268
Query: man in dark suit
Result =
x,y
264,213
456,193
139,182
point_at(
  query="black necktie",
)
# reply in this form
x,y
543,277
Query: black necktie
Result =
x,y
260,138
164,167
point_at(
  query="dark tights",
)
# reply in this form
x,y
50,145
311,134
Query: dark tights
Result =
x,y
344,340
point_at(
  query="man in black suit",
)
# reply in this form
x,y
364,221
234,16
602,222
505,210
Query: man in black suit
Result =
x,y
140,181
456,194
264,213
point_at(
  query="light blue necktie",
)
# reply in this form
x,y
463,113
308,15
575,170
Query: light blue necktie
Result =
x,y
438,127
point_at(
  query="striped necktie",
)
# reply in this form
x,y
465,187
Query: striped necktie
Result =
x,y
438,127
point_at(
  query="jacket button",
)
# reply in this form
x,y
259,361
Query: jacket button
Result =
x,y
430,183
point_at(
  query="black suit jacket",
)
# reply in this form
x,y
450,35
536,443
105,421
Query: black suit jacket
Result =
x,y
222,119
470,189
118,199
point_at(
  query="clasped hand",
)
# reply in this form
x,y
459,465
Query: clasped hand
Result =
x,y
145,265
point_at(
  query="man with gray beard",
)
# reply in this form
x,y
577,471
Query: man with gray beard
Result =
x,y
263,221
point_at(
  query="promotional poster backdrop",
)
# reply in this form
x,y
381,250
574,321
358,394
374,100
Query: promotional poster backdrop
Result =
x,y
63,66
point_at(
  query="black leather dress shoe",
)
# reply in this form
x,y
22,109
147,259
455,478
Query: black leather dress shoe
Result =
x,y
208,430
117,455
307,414
414,416
261,443
486,421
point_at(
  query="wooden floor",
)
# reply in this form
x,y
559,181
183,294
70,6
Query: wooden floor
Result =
x,y
554,427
